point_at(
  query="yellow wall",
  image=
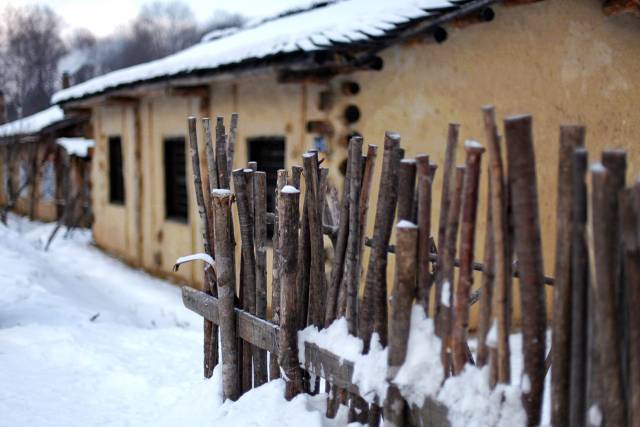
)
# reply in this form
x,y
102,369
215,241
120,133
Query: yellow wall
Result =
x,y
561,60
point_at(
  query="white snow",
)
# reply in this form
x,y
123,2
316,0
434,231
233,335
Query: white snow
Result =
x,y
33,123
289,189
88,341
195,257
406,224
526,383
598,168
421,374
472,403
595,416
345,21
472,144
492,336
445,296
76,146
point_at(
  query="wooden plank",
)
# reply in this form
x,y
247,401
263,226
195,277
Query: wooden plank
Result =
x,y
259,332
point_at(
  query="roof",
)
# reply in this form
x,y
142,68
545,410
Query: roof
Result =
x,y
33,123
320,27
76,146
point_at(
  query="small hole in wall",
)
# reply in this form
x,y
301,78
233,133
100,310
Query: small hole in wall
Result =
x,y
350,88
352,114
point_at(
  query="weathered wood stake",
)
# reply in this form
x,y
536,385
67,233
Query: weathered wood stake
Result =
x,y
528,249
571,137
579,292
403,293
467,243
288,213
260,230
373,316
221,200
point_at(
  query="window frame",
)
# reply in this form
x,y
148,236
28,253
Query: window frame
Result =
x,y
272,172
173,213
116,177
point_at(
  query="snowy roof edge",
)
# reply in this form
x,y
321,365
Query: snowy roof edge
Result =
x,y
266,40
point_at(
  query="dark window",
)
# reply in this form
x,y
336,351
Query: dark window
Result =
x,y
175,179
268,152
116,176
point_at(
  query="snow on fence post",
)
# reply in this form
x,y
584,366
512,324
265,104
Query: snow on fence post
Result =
x,y
502,293
571,137
630,208
400,322
528,248
423,219
445,202
221,200
373,316
608,373
210,330
579,291
467,243
242,180
448,252
288,212
260,230
274,368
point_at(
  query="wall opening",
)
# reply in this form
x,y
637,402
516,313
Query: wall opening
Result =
x,y
268,152
116,173
175,179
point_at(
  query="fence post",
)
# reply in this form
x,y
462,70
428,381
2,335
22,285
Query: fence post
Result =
x,y
467,243
630,207
445,201
210,330
609,395
222,200
274,368
425,278
260,231
373,316
288,212
448,252
571,137
579,292
395,413
528,248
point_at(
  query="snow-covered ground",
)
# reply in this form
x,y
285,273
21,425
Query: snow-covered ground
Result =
x,y
88,341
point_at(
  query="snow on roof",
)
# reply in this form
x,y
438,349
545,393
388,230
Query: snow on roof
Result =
x,y
76,146
316,28
33,123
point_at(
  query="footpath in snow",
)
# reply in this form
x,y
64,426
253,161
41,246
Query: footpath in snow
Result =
x,y
87,341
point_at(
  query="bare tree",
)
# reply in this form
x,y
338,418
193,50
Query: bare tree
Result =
x,y
30,48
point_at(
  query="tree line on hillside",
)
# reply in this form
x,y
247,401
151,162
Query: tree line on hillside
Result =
x,y
34,52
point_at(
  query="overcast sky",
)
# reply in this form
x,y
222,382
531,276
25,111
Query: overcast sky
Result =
x,y
103,17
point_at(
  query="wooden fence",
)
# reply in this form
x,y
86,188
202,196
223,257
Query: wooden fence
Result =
x,y
596,336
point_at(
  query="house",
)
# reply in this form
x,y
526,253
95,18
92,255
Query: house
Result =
x,y
44,167
310,78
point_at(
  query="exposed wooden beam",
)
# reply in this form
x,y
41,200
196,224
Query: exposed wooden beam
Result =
x,y
617,7
200,91
250,328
